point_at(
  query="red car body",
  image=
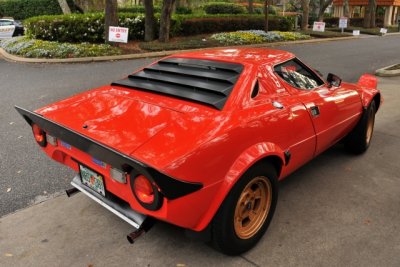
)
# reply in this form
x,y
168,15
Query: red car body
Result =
x,y
205,146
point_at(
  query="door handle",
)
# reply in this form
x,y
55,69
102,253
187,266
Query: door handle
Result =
x,y
314,111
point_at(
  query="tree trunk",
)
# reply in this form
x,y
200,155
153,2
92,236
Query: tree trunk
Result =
x,y
373,14
369,16
149,21
323,5
165,20
306,10
111,16
346,9
251,7
64,6
266,7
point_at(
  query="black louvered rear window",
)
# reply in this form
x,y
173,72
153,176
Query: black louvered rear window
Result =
x,y
205,81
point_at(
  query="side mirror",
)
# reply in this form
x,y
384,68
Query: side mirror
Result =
x,y
333,80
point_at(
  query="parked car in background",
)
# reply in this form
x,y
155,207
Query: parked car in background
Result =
x,y
10,28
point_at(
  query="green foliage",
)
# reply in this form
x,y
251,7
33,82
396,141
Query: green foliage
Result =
x,y
157,9
22,9
183,10
237,38
43,49
355,22
224,8
89,27
137,9
76,28
193,25
256,36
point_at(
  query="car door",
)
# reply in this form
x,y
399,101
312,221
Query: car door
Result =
x,y
7,29
334,110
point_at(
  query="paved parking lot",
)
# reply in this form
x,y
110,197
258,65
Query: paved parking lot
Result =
x,y
338,210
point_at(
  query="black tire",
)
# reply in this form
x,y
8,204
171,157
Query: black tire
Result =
x,y
359,138
226,233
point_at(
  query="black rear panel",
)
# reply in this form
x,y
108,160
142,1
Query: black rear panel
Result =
x,y
205,81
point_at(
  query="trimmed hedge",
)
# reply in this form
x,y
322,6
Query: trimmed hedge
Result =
x,y
211,24
22,9
137,9
90,27
354,22
81,27
224,8
157,9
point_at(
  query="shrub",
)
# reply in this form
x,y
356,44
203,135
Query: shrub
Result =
x,y
237,38
209,24
137,9
43,49
81,27
22,9
354,22
183,10
224,8
90,27
256,36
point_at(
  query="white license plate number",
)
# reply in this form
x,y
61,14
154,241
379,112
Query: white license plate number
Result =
x,y
92,180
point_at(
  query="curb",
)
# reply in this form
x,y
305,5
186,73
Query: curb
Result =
x,y
13,58
384,72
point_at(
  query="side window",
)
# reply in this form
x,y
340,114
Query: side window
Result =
x,y
6,23
298,75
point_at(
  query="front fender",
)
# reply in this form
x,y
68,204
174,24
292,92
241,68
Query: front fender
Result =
x,y
247,159
368,86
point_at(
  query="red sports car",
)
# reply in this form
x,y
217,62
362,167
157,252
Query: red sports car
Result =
x,y
201,139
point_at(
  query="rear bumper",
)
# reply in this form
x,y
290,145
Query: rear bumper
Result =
x,y
132,217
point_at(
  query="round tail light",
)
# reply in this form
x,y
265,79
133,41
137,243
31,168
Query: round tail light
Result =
x,y
146,193
39,134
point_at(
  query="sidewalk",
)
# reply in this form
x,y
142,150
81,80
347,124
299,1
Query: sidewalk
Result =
x,y
321,219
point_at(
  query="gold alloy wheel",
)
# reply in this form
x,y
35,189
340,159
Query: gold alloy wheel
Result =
x,y
370,126
252,207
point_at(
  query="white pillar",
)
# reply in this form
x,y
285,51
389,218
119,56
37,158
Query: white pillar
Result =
x,y
388,16
338,11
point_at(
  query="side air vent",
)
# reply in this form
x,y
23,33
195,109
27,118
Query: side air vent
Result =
x,y
205,81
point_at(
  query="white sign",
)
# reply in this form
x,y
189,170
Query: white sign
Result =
x,y
356,32
319,26
343,22
7,31
383,31
118,34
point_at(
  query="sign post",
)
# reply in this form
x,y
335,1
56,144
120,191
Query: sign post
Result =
x,y
118,34
343,23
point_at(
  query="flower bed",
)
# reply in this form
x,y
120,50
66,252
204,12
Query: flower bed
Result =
x,y
256,36
32,48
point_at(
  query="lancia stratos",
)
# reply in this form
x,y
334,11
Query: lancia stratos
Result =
x,y
201,139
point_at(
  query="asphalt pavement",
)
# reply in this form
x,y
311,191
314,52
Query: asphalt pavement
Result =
x,y
337,210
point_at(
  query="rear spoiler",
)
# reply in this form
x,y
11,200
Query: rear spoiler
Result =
x,y
170,187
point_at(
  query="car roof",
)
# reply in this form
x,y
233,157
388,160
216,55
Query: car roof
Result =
x,y
254,56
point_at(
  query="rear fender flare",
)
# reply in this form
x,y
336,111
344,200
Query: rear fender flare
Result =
x,y
248,158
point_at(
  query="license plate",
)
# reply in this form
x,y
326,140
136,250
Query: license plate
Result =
x,y
92,179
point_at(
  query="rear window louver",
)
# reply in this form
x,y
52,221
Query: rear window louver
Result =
x,y
205,81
